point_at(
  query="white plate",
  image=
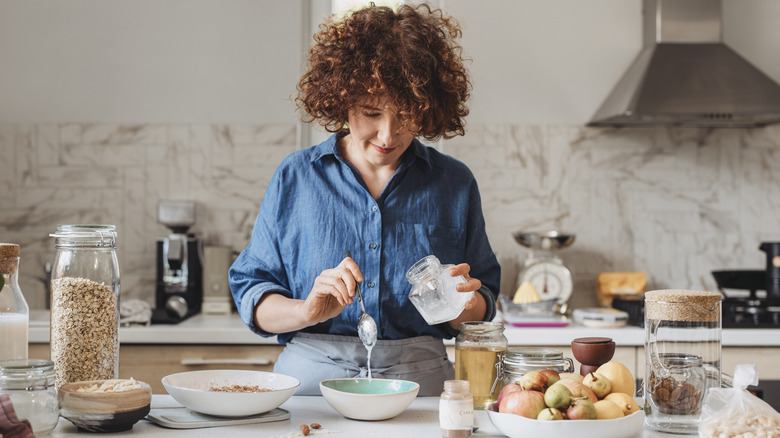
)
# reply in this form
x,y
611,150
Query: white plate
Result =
x,y
516,426
192,389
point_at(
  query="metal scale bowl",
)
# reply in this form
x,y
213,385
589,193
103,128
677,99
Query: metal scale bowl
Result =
x,y
546,272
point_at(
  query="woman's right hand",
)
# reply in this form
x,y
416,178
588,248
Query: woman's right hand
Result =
x,y
333,290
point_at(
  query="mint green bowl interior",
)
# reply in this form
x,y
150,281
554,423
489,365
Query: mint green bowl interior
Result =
x,y
376,386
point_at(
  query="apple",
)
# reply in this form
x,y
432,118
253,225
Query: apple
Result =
x,y
534,381
600,385
571,376
557,396
552,375
579,390
524,403
512,387
581,410
550,414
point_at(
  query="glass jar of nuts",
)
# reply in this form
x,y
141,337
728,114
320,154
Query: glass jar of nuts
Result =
x,y
85,304
682,356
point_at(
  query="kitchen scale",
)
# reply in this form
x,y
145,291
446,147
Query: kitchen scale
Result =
x,y
546,272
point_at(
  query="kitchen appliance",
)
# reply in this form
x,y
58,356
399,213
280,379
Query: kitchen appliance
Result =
x,y
686,75
179,293
544,276
216,290
543,268
752,297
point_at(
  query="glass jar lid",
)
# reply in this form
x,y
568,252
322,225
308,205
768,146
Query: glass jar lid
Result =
x,y
85,235
481,327
520,356
680,360
31,372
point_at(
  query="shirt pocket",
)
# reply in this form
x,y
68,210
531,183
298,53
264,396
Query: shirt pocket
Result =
x,y
415,241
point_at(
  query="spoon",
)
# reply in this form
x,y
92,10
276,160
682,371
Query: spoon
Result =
x,y
366,325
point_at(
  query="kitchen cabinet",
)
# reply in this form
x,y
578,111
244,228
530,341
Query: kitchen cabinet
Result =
x,y
765,358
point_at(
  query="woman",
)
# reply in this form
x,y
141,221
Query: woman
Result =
x,y
378,80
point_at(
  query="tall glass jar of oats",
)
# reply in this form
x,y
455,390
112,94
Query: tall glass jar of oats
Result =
x,y
85,304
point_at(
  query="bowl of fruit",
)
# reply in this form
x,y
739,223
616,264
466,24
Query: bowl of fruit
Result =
x,y
546,403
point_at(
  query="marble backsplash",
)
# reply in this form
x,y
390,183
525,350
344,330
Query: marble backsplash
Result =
x,y
673,202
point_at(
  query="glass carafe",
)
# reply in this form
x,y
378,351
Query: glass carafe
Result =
x,y
683,356
85,304
14,313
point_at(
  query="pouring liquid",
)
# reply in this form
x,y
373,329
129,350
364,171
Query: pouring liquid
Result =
x,y
369,348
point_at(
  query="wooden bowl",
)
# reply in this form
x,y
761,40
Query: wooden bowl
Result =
x,y
103,411
592,352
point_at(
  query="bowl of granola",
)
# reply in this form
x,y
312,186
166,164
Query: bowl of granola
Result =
x,y
104,405
230,393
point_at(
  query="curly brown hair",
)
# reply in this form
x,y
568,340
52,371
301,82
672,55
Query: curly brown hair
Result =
x,y
410,56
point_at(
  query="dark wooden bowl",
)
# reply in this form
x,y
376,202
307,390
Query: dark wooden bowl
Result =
x,y
592,352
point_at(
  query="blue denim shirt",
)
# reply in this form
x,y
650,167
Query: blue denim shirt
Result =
x,y
317,207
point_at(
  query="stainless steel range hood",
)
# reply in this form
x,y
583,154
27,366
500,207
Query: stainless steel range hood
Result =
x,y
685,75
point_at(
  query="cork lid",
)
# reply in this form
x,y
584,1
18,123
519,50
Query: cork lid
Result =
x,y
9,250
8,258
682,305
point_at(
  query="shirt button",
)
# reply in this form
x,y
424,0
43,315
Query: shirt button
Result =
x,y
370,284
374,208
372,246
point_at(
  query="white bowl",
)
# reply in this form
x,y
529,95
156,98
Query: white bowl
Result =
x,y
193,390
516,426
361,399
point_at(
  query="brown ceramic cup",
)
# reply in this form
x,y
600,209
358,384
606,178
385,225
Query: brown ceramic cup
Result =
x,y
591,353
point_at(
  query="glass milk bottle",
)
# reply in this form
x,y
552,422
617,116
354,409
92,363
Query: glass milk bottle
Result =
x,y
683,356
478,349
433,290
85,304
14,313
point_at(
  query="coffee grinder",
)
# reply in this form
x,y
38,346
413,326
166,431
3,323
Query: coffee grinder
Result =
x,y
179,291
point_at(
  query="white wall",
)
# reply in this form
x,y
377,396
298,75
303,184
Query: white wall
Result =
x,y
237,61
134,61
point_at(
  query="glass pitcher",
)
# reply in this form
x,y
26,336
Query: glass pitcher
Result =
x,y
683,356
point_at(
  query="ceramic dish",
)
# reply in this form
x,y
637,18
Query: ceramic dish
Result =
x,y
103,411
194,390
516,426
361,399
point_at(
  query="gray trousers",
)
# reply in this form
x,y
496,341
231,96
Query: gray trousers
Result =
x,y
312,358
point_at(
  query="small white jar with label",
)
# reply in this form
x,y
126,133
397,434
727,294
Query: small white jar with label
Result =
x,y
456,410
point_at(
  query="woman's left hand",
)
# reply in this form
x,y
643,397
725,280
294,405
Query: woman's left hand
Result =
x,y
471,284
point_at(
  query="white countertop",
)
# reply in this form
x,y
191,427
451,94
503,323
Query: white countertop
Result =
x,y
228,329
421,419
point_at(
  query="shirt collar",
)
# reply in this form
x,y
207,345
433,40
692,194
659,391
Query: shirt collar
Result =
x,y
416,150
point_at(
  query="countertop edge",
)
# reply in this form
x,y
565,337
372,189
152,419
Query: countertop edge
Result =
x,y
230,330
